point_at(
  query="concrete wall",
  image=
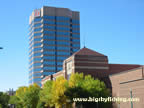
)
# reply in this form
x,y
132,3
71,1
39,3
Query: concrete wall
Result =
x,y
123,82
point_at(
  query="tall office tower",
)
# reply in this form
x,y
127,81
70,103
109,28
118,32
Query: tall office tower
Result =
x,y
54,36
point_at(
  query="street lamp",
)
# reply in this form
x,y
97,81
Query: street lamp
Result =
x,y
131,98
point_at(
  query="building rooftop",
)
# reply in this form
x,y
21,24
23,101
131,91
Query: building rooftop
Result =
x,y
117,68
86,51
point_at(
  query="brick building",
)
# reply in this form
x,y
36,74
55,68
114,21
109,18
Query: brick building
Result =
x,y
126,84
115,76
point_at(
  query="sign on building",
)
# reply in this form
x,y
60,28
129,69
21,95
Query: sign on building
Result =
x,y
37,13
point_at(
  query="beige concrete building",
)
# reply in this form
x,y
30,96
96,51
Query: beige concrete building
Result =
x,y
54,36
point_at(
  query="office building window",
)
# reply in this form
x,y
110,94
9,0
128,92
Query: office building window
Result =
x,y
49,27
37,34
37,49
49,68
49,62
49,52
36,74
37,24
75,21
63,48
37,19
61,18
49,57
75,45
48,47
36,79
63,23
48,22
49,42
59,63
75,26
75,35
63,38
63,28
37,29
63,43
59,68
63,33
37,54
49,17
75,40
63,53
36,69
61,58
49,37
48,73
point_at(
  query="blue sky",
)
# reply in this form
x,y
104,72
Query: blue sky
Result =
x,y
112,27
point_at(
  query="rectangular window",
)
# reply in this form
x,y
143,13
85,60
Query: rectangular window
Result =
x,y
61,18
37,54
75,26
75,50
49,52
49,63
75,21
49,68
49,17
59,68
36,74
61,58
37,39
37,24
37,34
37,44
37,49
63,23
36,79
75,45
37,19
63,43
48,22
37,29
63,53
75,40
35,60
49,47
36,69
49,37
49,57
49,42
47,73
63,38
63,48
63,28
75,31
63,33
49,27
59,63
49,32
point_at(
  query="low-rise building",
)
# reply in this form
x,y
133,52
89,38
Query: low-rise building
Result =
x,y
129,84
119,78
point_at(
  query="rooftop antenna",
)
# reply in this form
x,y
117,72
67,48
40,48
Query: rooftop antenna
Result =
x,y
84,41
